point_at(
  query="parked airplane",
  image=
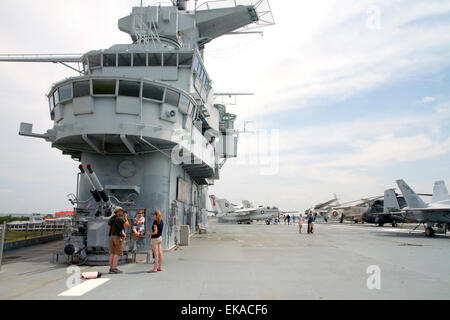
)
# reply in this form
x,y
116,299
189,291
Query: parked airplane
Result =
x,y
381,210
325,209
355,212
436,213
227,212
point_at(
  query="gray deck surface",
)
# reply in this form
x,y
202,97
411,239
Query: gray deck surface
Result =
x,y
258,262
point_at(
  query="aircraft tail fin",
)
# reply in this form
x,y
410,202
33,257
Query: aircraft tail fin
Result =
x,y
214,204
390,201
440,192
225,205
411,198
247,204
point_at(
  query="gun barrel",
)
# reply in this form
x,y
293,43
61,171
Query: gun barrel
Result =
x,y
93,190
98,185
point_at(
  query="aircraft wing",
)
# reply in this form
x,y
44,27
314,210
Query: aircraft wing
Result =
x,y
245,210
426,209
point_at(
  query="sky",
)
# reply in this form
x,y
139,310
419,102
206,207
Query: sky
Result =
x,y
348,97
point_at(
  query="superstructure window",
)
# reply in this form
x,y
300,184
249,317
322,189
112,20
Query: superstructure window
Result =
x,y
154,59
56,97
124,59
150,91
170,59
95,61
65,93
185,59
104,86
51,103
184,102
139,59
109,59
81,89
129,88
172,97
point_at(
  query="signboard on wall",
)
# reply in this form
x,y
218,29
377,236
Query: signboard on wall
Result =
x,y
181,190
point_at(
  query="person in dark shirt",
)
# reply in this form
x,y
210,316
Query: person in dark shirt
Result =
x,y
156,240
116,225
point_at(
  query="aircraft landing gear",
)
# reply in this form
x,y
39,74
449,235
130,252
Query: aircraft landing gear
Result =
x,y
380,224
394,224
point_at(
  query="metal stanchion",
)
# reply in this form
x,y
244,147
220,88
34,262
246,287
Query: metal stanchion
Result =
x,y
2,242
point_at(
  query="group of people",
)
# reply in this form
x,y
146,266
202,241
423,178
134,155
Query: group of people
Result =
x,y
310,218
116,228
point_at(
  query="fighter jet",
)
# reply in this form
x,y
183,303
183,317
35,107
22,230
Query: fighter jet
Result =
x,y
436,213
381,211
227,212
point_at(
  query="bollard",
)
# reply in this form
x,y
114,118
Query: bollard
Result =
x,y
2,242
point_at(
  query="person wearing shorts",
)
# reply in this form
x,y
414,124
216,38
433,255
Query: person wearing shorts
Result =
x,y
156,241
116,225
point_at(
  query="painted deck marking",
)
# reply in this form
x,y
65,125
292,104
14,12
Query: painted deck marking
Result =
x,y
84,287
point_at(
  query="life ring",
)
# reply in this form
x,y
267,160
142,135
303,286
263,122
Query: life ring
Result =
x,y
334,213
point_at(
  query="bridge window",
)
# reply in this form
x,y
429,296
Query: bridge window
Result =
x,y
65,93
51,104
185,59
170,59
81,89
95,61
153,92
129,88
139,59
104,86
56,97
172,97
124,59
184,102
154,59
109,59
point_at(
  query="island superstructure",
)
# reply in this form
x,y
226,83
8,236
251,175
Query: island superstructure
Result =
x,y
142,121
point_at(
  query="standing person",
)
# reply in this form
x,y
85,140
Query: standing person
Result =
x,y
156,240
284,217
300,221
288,218
116,225
310,222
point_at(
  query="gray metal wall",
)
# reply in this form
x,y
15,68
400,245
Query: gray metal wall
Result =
x,y
155,192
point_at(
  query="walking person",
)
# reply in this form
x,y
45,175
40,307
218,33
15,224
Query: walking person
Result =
x,y
116,226
300,221
156,241
288,219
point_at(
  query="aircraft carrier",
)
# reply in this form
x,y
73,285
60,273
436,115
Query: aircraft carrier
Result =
x,y
136,108
256,261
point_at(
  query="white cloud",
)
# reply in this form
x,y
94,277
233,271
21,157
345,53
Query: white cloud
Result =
x,y
335,56
427,100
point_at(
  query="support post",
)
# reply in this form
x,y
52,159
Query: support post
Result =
x,y
2,242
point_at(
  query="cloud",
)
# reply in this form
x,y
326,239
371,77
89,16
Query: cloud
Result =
x,y
427,100
300,59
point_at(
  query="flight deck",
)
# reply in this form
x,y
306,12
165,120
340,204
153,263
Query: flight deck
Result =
x,y
255,261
